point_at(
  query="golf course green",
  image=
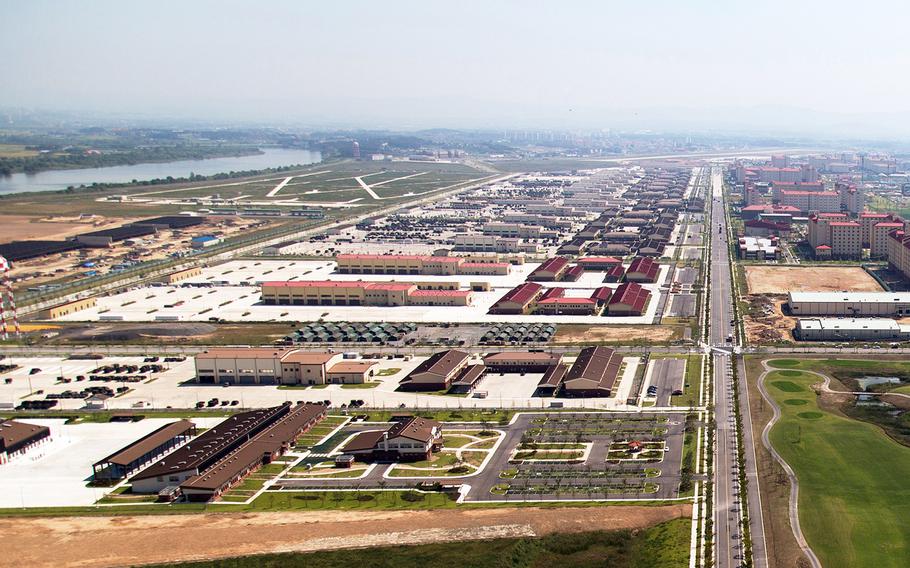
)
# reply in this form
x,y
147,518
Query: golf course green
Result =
x,y
854,494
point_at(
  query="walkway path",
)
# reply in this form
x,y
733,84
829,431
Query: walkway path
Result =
x,y
794,482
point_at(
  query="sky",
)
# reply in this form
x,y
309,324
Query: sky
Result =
x,y
827,68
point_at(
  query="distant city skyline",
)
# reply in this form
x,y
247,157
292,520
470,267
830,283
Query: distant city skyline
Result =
x,y
792,69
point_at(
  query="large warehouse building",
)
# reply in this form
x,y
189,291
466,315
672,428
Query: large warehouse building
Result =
x,y
850,329
222,456
884,304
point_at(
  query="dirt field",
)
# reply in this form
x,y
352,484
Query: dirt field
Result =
x,y
783,279
614,333
26,227
771,325
130,540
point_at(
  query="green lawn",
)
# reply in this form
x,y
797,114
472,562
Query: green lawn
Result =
x,y
368,385
854,495
455,441
662,546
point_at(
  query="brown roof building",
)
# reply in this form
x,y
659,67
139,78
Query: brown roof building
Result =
x,y
143,451
594,373
521,361
437,372
223,447
410,438
17,437
259,450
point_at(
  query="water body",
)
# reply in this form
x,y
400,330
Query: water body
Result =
x,y
53,180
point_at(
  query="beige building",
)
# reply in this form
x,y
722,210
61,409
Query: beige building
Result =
x,y
265,366
68,308
339,293
180,275
834,235
898,251
846,239
416,264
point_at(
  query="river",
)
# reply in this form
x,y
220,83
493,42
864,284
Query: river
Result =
x,y
52,180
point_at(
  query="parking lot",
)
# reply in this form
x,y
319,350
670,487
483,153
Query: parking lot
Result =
x,y
230,292
553,456
665,376
173,388
55,473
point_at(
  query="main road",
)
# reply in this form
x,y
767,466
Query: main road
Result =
x,y
728,538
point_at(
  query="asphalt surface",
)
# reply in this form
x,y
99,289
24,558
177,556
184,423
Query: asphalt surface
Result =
x,y
667,375
483,481
727,515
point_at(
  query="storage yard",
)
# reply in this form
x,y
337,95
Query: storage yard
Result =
x,y
230,292
175,387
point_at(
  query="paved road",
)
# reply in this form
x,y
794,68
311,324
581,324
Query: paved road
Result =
x,y
728,534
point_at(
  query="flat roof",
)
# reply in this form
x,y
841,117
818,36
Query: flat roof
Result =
x,y
848,324
148,443
857,297
241,353
509,356
352,367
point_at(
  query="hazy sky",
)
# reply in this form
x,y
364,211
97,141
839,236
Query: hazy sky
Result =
x,y
828,66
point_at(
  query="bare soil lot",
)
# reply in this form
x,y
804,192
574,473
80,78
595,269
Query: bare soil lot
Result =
x,y
131,540
771,325
27,227
616,333
783,279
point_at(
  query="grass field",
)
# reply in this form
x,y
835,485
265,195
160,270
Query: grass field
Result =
x,y
853,493
847,370
16,151
662,546
338,184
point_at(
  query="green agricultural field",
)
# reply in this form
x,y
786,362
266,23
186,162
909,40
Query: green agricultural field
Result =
x,y
662,546
853,496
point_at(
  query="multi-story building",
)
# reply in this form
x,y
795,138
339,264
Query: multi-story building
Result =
x,y
851,198
350,293
834,235
409,439
490,243
266,366
846,239
898,251
757,248
805,201
416,264
878,245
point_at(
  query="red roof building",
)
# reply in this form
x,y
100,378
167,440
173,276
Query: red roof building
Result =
x,y
550,269
642,269
518,300
598,262
629,299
